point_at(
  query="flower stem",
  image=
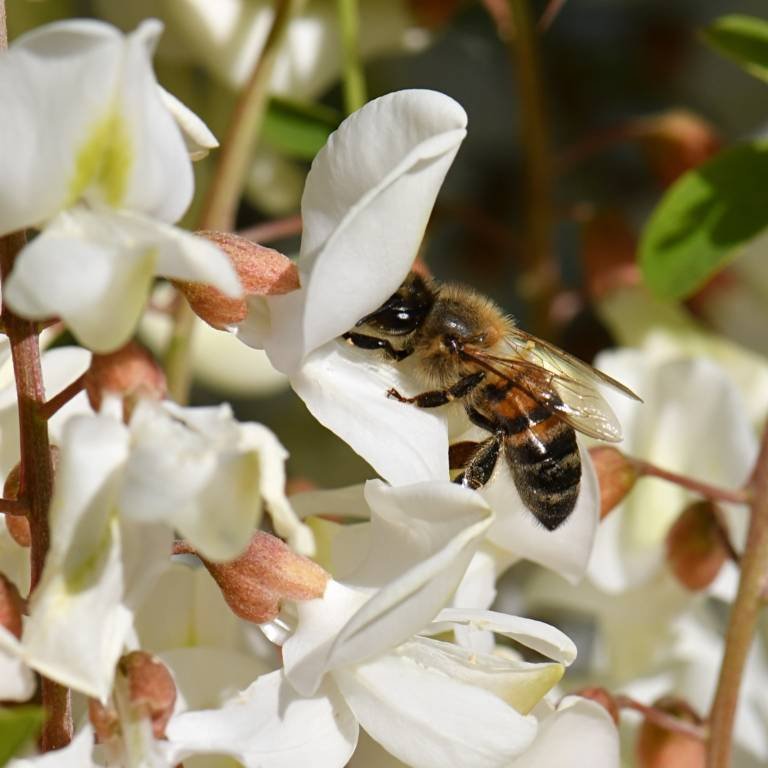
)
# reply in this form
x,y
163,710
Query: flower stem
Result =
x,y
542,279
743,618
59,400
16,507
712,492
220,204
269,231
36,478
663,719
354,79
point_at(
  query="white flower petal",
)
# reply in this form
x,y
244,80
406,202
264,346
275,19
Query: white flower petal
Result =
x,y
45,73
537,635
159,181
346,392
197,136
364,216
61,366
566,549
78,270
422,539
78,623
269,726
428,720
674,431
17,681
580,732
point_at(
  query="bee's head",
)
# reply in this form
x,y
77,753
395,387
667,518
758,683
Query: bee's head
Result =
x,y
404,311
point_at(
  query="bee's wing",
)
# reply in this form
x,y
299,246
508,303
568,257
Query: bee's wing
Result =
x,y
558,381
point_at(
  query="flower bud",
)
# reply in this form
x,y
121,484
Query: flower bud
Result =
x,y
268,572
130,372
12,606
659,747
262,272
608,252
602,697
17,525
151,688
616,476
695,547
676,141
104,719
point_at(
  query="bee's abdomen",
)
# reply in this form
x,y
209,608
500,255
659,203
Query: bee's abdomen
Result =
x,y
544,459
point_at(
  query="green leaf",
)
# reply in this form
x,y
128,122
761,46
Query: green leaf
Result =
x,y
743,39
298,130
704,218
17,727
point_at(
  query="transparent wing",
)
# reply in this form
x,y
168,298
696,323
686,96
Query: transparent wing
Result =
x,y
558,381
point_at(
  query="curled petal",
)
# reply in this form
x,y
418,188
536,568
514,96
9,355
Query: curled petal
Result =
x,y
422,539
347,392
428,719
197,136
269,725
364,216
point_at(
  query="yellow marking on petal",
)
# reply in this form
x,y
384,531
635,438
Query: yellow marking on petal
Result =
x,y
103,160
87,570
530,687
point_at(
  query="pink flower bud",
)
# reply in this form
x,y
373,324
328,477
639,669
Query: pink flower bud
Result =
x,y
675,142
130,372
616,476
151,689
602,697
17,525
262,272
268,572
658,747
12,606
104,719
608,253
695,547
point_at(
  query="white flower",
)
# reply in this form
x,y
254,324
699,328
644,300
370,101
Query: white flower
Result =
x,y
356,656
120,492
77,754
91,155
694,421
364,216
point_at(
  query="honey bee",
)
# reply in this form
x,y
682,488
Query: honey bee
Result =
x,y
528,394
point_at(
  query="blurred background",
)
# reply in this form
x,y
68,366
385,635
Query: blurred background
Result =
x,y
625,97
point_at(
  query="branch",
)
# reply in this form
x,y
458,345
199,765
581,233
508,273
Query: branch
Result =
x,y
50,407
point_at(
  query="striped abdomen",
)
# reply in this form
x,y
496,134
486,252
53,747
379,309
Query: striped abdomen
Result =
x,y
543,456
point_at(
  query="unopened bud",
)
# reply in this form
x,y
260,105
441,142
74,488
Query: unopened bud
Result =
x,y
602,697
11,606
608,252
104,719
675,142
130,373
659,747
151,688
268,572
616,475
695,547
17,525
262,272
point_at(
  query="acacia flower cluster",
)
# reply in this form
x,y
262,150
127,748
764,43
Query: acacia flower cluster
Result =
x,y
360,630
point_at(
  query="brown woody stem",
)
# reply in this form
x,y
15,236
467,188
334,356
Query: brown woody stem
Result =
x,y
542,279
743,618
222,196
270,231
62,398
712,492
36,473
663,719
16,507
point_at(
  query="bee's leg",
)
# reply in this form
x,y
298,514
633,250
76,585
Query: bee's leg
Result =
x,y
363,341
480,467
438,397
460,454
